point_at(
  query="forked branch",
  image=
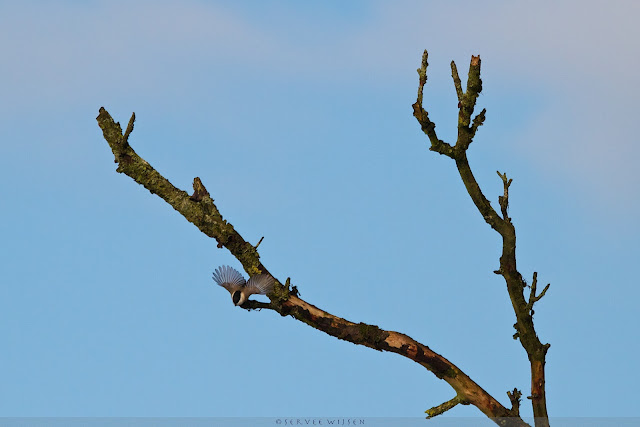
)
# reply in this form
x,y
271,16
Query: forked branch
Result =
x,y
522,307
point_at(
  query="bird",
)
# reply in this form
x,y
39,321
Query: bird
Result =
x,y
240,290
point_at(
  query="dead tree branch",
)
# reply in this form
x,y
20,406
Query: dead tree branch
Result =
x,y
525,330
514,397
444,407
200,210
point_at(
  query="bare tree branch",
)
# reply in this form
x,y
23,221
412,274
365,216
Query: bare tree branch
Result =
x,y
200,210
467,105
477,122
444,407
533,298
125,138
456,82
428,127
525,330
260,241
503,200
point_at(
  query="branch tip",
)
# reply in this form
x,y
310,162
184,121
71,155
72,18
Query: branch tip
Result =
x,y
422,73
125,138
428,127
258,244
477,122
533,298
504,199
457,83
514,397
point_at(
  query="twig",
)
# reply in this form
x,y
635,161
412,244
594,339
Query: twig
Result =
x,y
532,296
422,75
444,407
428,127
125,138
504,200
457,83
477,122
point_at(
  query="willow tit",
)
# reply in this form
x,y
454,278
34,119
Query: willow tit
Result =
x,y
231,279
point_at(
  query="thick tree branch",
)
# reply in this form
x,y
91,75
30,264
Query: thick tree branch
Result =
x,y
467,129
200,210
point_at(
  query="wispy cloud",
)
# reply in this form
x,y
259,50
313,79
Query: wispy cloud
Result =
x,y
567,46
583,54
63,51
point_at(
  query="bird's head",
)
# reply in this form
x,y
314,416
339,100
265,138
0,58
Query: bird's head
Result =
x,y
238,298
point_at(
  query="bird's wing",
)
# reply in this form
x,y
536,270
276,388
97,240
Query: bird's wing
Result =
x,y
259,284
228,277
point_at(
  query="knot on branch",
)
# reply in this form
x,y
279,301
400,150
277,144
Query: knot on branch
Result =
x,y
199,191
294,290
280,294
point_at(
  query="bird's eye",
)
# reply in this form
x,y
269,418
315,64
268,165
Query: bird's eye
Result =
x,y
236,297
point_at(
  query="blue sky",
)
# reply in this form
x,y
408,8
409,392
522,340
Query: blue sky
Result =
x,y
297,117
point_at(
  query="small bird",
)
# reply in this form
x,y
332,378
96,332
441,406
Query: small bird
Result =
x,y
231,279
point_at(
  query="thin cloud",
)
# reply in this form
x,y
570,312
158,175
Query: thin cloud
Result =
x,y
583,59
